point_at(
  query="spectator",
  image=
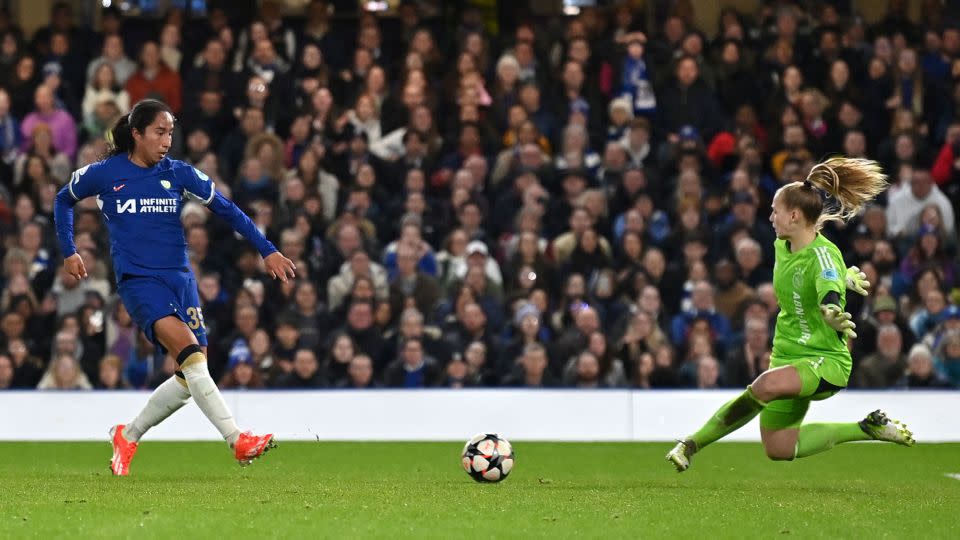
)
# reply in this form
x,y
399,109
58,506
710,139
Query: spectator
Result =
x,y
113,56
531,372
611,373
411,287
412,325
586,372
102,88
358,265
22,85
170,46
746,362
480,372
155,79
242,374
43,164
64,374
702,307
948,356
580,220
708,373
687,100
731,289
10,135
750,261
305,374
7,372
339,355
413,368
926,318
885,367
61,124
903,211
360,326
308,314
360,374
471,325
920,371
111,374
27,369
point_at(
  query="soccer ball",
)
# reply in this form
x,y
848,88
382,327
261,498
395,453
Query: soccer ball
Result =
x,y
487,457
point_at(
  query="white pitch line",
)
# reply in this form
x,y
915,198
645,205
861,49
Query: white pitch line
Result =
x,y
955,476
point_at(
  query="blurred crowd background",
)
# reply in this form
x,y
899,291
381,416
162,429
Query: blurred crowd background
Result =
x,y
570,200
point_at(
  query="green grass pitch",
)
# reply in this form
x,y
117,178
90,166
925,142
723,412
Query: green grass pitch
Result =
x,y
418,490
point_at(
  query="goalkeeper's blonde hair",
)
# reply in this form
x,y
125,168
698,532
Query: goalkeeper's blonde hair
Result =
x,y
835,190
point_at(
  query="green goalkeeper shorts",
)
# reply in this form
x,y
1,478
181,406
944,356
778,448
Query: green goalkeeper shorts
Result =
x,y
820,378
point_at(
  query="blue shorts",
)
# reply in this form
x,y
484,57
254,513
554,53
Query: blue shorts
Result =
x,y
165,292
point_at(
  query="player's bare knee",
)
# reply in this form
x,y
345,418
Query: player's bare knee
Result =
x,y
780,454
764,388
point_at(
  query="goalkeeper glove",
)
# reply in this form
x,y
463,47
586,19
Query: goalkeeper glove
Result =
x,y
857,281
839,320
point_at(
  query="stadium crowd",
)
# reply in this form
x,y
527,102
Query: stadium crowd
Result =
x,y
574,202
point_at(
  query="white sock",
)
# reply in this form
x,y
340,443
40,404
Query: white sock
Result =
x,y
207,396
165,400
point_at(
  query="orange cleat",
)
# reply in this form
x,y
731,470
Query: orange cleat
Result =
x,y
250,447
123,451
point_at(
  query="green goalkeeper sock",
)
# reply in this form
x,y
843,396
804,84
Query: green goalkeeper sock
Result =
x,y
732,416
816,438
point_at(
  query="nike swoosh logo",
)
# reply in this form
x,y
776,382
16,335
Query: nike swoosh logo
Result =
x,y
118,188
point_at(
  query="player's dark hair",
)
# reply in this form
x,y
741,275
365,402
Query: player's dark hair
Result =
x,y
142,115
835,190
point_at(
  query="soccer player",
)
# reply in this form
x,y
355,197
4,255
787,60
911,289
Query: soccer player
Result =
x,y
810,359
140,192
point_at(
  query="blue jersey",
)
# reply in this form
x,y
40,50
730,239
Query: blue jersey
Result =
x,y
141,208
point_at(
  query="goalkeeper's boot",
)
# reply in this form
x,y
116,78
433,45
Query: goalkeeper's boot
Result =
x,y
123,451
250,447
882,428
681,454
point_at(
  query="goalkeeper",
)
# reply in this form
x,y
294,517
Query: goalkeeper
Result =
x,y
810,359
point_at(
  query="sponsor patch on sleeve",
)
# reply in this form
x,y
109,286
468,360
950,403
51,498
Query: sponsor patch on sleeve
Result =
x,y
831,274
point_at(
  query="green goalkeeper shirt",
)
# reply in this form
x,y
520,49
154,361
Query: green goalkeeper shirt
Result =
x,y
800,281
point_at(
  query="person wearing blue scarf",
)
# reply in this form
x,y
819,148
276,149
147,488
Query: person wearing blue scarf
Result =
x,y
9,130
635,82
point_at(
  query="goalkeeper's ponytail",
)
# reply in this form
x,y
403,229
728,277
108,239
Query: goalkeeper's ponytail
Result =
x,y
835,190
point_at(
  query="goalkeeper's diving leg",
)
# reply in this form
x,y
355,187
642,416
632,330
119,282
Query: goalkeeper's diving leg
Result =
x,y
781,396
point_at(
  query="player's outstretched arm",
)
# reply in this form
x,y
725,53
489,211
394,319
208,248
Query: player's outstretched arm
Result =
x,y
857,281
63,219
278,266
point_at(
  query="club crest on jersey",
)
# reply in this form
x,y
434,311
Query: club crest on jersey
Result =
x,y
165,184
798,278
831,274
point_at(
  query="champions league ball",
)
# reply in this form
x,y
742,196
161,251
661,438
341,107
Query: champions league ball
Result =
x,y
487,457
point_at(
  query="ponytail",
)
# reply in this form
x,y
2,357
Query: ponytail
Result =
x,y
120,138
835,190
850,182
